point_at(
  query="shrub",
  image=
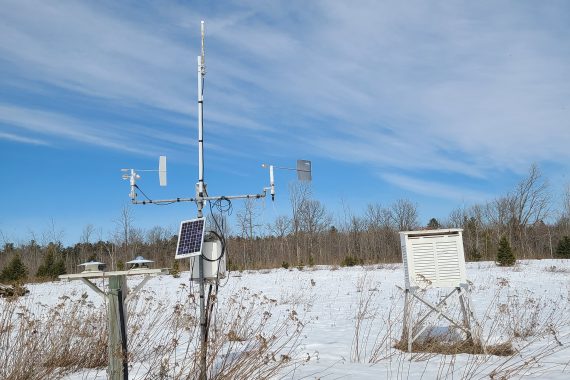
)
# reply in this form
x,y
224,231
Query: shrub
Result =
x,y
311,261
175,270
350,261
505,256
285,265
15,271
563,248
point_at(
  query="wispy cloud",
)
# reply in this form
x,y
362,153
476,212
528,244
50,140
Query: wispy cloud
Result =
x,y
52,125
21,139
435,189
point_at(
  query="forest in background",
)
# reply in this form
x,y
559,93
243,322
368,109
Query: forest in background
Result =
x,y
534,221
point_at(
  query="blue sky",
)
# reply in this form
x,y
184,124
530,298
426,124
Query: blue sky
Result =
x,y
443,103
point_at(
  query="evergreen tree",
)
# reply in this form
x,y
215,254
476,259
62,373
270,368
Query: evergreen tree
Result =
x,y
505,256
433,224
15,271
563,249
51,268
175,270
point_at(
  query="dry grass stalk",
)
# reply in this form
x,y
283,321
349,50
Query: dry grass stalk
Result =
x,y
49,342
55,341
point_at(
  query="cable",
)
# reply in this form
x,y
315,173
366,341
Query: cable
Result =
x,y
151,201
123,332
222,208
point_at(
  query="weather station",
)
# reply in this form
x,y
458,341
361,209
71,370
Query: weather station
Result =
x,y
206,250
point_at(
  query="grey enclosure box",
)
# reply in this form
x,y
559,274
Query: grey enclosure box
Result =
x,y
304,170
212,250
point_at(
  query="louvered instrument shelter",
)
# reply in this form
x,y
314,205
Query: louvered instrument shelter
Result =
x,y
433,258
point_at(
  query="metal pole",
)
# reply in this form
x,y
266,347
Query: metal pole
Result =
x,y
200,203
200,189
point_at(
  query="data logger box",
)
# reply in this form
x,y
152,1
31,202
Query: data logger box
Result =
x,y
433,258
214,262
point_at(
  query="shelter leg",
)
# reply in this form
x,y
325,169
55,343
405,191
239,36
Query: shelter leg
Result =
x,y
474,325
465,314
407,328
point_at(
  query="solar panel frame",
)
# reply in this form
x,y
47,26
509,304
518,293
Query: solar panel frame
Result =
x,y
190,238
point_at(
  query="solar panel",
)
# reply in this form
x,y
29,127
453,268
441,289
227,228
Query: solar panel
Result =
x,y
190,238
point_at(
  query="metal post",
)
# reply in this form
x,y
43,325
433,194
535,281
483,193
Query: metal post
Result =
x,y
200,189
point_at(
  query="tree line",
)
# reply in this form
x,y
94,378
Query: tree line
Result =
x,y
529,218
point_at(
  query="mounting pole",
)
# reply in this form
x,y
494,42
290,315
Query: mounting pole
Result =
x,y
200,190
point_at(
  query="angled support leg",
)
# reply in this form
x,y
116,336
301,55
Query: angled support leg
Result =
x,y
407,328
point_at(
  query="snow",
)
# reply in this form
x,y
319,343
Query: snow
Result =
x,y
327,300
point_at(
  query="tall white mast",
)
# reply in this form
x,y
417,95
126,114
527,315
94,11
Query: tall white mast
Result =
x,y
200,188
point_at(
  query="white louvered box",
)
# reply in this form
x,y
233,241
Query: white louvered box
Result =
x,y
433,258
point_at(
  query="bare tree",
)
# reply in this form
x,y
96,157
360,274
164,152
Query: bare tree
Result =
x,y
52,234
531,198
122,234
565,213
456,218
377,217
84,245
314,221
314,217
498,214
566,202
281,227
86,234
5,239
299,194
405,214
247,219
530,205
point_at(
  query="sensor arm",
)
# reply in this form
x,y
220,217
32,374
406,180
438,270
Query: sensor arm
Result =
x,y
208,198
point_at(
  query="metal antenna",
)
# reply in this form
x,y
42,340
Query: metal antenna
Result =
x,y
201,74
200,203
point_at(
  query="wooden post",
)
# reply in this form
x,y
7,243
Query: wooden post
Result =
x,y
117,356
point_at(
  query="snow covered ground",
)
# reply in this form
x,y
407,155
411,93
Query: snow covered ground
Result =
x,y
528,305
